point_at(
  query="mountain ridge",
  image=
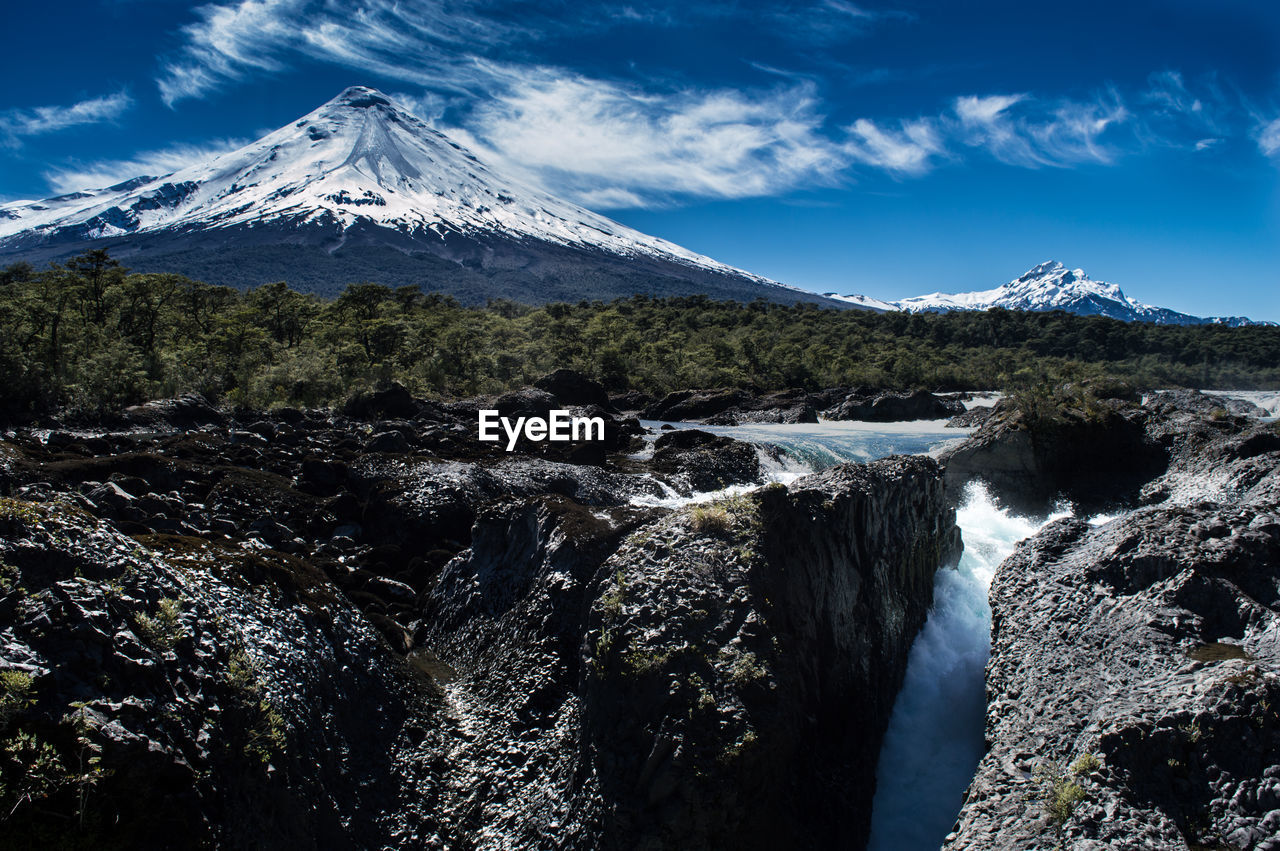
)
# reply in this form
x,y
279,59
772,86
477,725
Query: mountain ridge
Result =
x,y
1049,286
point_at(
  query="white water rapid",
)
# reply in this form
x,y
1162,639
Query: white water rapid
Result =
x,y
935,735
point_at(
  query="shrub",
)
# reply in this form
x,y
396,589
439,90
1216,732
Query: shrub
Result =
x,y
746,669
30,770
710,519
165,629
611,602
15,695
1059,795
1064,797
264,730
1086,764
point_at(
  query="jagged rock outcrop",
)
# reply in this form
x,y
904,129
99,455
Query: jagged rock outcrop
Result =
x,y
743,657
695,460
502,632
1133,688
641,678
1097,453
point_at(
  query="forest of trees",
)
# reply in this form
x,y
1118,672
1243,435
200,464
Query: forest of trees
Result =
x,y
90,337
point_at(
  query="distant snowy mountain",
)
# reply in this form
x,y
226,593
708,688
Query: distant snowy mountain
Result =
x,y
361,187
1049,286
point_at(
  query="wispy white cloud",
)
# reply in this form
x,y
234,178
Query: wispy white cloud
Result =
x,y
227,43
823,22
908,150
16,123
610,143
1176,112
1268,136
96,175
1169,93
430,44
1017,130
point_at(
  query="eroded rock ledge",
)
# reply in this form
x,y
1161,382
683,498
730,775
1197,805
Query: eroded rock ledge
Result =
x,y
1133,688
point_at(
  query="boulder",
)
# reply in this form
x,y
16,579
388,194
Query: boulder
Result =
x,y
390,402
689,405
887,406
186,411
695,460
630,401
387,441
1098,455
573,388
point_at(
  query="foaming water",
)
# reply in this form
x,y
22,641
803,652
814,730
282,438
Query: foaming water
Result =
x,y
806,448
935,735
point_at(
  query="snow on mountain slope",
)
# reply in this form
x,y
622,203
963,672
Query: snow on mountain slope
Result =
x,y
357,160
1051,286
864,301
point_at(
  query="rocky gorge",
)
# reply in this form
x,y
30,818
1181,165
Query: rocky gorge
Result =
x,y
363,628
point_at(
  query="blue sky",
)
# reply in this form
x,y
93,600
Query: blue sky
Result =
x,y
885,148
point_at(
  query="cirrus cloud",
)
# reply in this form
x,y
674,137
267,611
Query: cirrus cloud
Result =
x,y
17,123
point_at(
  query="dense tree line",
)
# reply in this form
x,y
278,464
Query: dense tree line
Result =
x,y
90,336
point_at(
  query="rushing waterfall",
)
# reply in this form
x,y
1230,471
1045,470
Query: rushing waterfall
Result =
x,y
935,735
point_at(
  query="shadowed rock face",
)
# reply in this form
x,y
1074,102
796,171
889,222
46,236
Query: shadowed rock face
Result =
x,y
1133,685
742,659
1098,458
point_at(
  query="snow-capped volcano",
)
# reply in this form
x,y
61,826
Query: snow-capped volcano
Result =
x,y
1049,286
359,172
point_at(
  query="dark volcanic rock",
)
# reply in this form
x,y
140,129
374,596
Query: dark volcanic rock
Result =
x,y
672,692
1133,685
311,630
207,695
1098,457
388,403
632,400
432,505
186,411
695,460
503,631
689,405
574,388
972,418
731,407
888,406
744,656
